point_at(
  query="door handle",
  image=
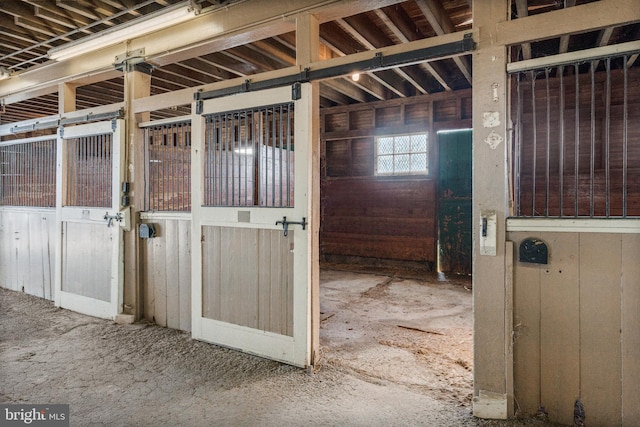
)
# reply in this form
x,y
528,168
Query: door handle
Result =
x,y
286,224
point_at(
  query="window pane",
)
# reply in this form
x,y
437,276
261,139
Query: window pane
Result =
x,y
419,162
385,164
418,143
385,145
401,163
403,144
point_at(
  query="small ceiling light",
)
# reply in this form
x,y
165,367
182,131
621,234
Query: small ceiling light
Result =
x,y
5,73
355,77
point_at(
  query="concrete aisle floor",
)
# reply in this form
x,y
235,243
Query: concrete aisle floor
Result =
x,y
384,362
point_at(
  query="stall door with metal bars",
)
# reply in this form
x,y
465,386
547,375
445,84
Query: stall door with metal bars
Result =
x,y
251,282
89,266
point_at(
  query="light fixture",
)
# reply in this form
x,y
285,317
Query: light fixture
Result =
x,y
5,73
155,21
355,77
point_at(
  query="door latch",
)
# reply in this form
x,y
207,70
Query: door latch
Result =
x,y
286,224
110,218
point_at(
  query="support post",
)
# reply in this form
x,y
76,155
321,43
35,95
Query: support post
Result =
x,y
137,84
307,51
492,363
66,98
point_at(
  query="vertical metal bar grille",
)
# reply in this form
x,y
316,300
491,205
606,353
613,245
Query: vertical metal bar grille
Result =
x,y
88,172
561,142
249,157
584,161
518,147
168,167
28,173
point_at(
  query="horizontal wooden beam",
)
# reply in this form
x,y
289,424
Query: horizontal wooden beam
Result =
x,y
233,25
573,57
185,96
577,19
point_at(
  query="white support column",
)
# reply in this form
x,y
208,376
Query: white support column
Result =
x,y
136,85
492,362
307,51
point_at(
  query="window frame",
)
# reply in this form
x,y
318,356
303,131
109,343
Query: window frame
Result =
x,y
409,173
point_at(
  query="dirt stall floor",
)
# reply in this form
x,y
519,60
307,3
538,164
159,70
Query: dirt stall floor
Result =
x,y
395,352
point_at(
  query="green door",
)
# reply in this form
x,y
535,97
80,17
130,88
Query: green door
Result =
x,y
454,202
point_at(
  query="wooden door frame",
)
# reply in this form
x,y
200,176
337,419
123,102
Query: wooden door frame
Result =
x,y
82,304
304,327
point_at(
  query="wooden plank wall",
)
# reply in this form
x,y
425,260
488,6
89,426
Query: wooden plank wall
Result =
x,y
243,283
550,137
367,216
576,332
166,274
87,260
27,251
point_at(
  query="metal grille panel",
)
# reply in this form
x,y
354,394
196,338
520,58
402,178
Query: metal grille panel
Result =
x,y
250,157
168,167
28,174
88,172
575,154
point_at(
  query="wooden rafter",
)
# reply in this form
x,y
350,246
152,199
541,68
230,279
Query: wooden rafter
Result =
x,y
441,24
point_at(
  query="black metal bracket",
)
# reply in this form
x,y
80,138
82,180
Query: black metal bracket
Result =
x,y
377,62
286,224
296,91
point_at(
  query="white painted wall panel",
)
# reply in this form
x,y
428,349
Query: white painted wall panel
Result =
x,y
27,256
166,273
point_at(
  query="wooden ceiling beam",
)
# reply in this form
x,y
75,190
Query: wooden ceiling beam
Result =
x,y
58,19
274,52
564,40
346,88
403,30
365,41
216,62
196,71
48,29
333,95
573,20
162,84
523,11
441,24
176,72
368,82
24,16
343,86
76,7
372,86
391,81
246,53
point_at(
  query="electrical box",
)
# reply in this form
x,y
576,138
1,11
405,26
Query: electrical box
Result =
x,y
488,233
147,231
534,251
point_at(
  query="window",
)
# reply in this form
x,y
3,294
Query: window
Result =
x,y
28,173
88,173
169,167
402,155
249,157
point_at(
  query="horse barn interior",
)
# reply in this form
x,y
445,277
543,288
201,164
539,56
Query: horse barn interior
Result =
x,y
194,163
